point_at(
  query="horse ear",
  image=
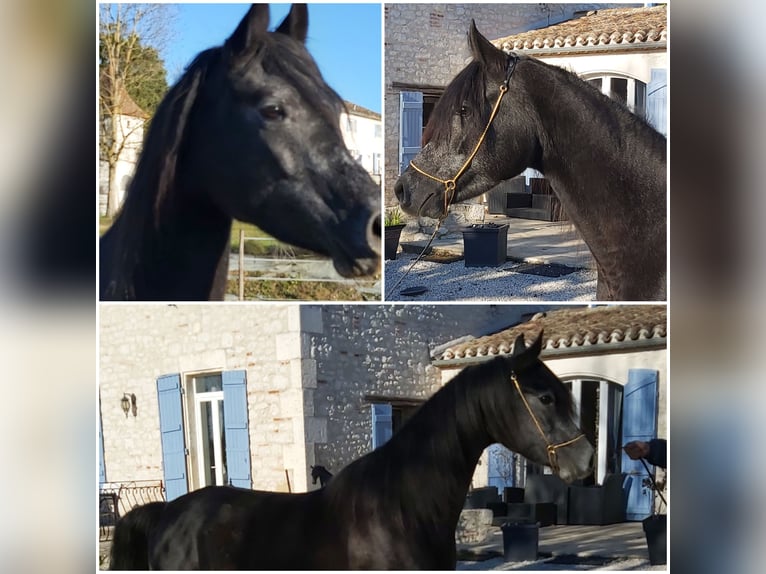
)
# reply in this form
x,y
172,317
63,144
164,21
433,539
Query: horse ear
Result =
x,y
296,23
254,24
483,51
519,346
525,356
537,345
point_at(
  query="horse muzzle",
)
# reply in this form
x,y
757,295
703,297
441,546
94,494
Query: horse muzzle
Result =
x,y
359,254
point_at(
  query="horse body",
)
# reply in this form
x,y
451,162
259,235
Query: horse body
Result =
x,y
606,165
396,507
250,132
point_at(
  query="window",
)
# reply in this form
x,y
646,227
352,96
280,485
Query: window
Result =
x,y
389,417
204,431
207,440
629,91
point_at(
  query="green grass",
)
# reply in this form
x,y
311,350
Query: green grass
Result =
x,y
295,290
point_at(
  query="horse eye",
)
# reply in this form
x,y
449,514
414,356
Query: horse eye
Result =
x,y
546,399
272,112
463,111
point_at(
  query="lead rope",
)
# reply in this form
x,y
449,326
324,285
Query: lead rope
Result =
x,y
551,448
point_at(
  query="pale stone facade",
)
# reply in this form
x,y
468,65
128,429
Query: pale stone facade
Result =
x,y
363,134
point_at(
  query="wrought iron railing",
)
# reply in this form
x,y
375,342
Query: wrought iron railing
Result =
x,y
117,498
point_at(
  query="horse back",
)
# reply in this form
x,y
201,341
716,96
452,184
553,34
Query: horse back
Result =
x,y
227,528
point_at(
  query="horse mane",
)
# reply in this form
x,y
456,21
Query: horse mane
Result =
x,y
469,87
466,398
155,175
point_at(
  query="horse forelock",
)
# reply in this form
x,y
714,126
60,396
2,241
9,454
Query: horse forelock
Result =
x,y
468,87
539,378
282,56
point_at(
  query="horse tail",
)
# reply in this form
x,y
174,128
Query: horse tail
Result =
x,y
130,543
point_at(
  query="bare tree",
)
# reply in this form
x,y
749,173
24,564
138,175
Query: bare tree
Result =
x,y
125,32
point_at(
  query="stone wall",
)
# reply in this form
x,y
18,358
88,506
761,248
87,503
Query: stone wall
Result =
x,y
141,342
380,350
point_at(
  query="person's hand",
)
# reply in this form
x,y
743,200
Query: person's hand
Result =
x,y
637,449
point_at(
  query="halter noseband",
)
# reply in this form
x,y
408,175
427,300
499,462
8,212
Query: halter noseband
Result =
x,y
450,184
551,448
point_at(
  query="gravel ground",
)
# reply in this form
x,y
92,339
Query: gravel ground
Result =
x,y
456,282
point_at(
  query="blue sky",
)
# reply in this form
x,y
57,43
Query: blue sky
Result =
x,y
345,40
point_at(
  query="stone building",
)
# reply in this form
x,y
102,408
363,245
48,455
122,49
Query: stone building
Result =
x,y
425,47
254,396
362,131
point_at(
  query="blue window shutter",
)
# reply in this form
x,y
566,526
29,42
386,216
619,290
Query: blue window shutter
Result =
x,y
236,428
172,435
657,100
410,127
101,467
639,422
382,424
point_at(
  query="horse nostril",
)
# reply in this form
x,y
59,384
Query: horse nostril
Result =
x,y
401,193
373,232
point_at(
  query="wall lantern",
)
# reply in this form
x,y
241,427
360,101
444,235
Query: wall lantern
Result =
x,y
128,404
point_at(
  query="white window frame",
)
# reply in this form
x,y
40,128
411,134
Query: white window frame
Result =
x,y
192,405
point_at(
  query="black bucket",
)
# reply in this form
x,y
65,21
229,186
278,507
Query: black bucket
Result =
x,y
656,530
520,540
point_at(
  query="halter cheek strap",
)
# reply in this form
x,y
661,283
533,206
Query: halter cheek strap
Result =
x,y
551,448
450,184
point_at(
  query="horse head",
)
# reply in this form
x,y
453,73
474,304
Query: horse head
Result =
x,y
259,139
536,417
478,134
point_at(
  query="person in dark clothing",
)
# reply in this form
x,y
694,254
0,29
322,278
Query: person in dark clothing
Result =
x,y
655,451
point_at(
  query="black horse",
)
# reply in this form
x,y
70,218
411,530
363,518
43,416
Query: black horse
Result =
x,y
320,473
251,131
394,508
605,164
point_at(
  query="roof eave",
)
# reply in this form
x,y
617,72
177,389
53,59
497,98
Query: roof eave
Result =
x,y
661,46
561,352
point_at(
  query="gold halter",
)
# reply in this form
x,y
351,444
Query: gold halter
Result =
x,y
450,184
551,448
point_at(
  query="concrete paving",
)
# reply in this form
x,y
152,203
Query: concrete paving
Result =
x,y
529,240
616,546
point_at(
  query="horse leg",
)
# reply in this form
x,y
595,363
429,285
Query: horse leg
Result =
x,y
130,543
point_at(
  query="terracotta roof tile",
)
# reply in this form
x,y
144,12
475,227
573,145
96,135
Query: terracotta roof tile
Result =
x,y
571,328
358,110
617,27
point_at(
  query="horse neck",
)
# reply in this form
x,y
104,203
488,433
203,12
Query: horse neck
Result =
x,y
586,138
184,257
607,168
446,436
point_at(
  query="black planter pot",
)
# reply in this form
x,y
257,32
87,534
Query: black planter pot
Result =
x,y
520,541
513,494
485,245
656,530
393,232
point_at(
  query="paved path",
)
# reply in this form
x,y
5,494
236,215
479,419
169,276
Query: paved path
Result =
x,y
612,547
